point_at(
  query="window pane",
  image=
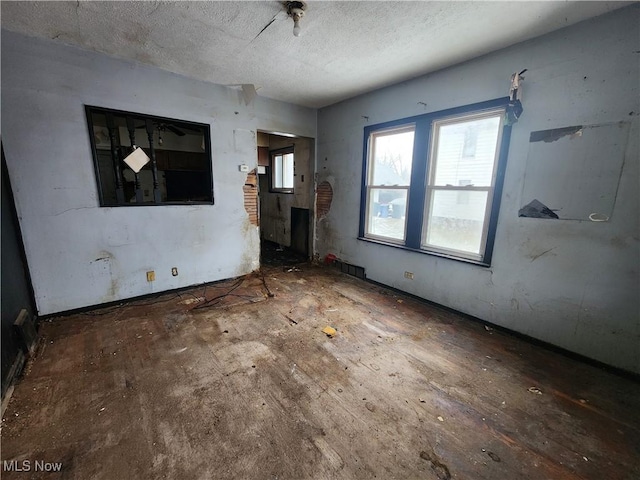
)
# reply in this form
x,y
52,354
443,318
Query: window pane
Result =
x,y
466,152
277,171
456,225
392,158
179,171
287,170
387,212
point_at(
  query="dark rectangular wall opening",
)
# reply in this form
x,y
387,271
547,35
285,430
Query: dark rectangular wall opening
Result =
x,y
300,230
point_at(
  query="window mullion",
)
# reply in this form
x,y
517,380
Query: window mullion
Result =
x,y
417,188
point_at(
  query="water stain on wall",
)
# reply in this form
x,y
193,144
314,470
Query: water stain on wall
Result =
x,y
105,262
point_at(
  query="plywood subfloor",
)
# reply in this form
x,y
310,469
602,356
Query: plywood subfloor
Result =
x,y
250,388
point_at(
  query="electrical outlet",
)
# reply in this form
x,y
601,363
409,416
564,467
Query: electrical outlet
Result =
x,y
408,275
174,271
151,276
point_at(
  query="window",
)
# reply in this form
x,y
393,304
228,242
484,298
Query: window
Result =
x,y
388,183
451,225
432,183
178,168
282,170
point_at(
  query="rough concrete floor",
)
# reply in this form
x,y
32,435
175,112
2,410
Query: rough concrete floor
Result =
x,y
252,389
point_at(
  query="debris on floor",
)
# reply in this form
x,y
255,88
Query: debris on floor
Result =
x,y
329,331
440,469
330,258
255,395
535,390
494,457
189,301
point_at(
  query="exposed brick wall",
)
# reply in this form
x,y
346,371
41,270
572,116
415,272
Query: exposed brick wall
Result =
x,y
250,190
324,194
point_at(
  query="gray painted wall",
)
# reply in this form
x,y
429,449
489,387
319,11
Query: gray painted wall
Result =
x,y
582,294
81,254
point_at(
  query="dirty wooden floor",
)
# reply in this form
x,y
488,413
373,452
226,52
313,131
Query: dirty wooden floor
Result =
x,y
250,388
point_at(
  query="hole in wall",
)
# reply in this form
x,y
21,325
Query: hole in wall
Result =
x,y
324,194
250,190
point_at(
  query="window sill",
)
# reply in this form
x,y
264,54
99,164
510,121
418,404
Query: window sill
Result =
x,y
425,252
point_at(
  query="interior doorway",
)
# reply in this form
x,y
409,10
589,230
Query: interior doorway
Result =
x,y
286,197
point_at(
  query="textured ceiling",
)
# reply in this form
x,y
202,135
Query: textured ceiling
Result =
x,y
345,48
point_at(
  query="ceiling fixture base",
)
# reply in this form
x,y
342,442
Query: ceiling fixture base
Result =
x,y
296,11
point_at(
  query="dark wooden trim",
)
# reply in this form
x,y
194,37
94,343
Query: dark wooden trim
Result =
x,y
14,372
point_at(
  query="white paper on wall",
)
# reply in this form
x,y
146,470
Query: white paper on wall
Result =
x,y
137,159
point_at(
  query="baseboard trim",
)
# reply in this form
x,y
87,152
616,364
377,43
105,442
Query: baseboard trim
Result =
x,y
12,376
532,340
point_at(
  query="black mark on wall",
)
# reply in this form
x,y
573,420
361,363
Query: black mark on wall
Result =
x,y
536,209
554,134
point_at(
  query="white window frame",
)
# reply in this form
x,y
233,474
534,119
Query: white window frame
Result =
x,y
430,186
370,185
274,154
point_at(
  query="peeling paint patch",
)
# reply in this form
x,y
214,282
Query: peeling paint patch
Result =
x,y
536,209
324,197
554,134
250,190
